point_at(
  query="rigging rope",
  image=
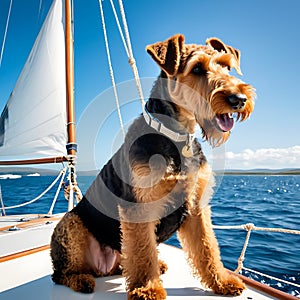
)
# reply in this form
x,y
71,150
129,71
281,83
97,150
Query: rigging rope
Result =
x,y
5,32
272,277
249,228
128,48
72,186
111,72
119,27
131,60
2,212
40,196
57,192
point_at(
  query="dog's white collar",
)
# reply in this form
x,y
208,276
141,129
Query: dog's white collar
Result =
x,y
188,138
160,127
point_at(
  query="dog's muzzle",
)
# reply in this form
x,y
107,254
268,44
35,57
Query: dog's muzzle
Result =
x,y
237,101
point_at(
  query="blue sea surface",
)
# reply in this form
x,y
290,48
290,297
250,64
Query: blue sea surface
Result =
x,y
266,201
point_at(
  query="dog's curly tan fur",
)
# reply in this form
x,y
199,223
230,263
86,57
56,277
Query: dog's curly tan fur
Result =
x,y
152,187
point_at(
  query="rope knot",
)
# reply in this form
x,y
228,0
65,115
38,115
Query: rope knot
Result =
x,y
131,61
249,226
72,160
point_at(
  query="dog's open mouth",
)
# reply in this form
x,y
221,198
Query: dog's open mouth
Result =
x,y
225,122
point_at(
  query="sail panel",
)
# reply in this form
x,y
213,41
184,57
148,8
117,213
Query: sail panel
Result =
x,y
33,122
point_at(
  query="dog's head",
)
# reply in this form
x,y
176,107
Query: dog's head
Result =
x,y
200,84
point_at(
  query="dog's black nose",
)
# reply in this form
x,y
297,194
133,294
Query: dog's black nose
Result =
x,y
237,101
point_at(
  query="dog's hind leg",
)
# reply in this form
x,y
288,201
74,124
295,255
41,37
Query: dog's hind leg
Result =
x,y
68,247
84,283
199,242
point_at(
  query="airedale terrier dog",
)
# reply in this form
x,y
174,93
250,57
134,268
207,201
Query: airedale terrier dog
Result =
x,y
159,181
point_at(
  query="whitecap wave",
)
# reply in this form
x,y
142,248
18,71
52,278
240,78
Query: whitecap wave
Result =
x,y
34,174
10,176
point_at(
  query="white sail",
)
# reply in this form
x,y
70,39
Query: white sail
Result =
x,y
33,122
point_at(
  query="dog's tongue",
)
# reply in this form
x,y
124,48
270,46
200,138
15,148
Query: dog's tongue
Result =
x,y
225,122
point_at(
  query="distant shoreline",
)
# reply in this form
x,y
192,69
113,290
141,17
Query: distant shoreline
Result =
x,y
261,173
48,172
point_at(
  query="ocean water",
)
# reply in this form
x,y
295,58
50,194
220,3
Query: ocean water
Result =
x,y
266,201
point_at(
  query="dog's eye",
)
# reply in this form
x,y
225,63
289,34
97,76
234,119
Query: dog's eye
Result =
x,y
198,69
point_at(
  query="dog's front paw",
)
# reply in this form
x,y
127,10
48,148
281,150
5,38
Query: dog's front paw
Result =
x,y
153,291
229,285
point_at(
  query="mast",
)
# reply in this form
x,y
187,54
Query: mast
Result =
x,y
71,142
71,130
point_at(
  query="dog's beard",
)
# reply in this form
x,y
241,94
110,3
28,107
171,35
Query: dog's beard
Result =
x,y
215,128
212,133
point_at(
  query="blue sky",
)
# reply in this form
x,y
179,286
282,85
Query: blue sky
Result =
x,y
266,32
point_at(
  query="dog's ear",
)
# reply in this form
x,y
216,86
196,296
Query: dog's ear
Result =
x,y
167,54
237,55
218,45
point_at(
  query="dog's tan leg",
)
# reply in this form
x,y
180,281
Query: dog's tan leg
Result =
x,y
199,242
141,266
140,262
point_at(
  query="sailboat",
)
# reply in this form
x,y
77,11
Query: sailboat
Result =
x,y
48,135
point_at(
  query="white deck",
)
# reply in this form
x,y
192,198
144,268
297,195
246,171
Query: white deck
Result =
x,y
29,277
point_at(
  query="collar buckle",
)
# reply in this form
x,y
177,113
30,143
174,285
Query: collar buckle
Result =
x,y
187,150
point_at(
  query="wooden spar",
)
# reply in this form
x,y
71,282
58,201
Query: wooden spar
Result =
x,y
71,143
46,160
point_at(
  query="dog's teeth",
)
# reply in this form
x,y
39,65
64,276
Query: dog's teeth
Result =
x,y
235,115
